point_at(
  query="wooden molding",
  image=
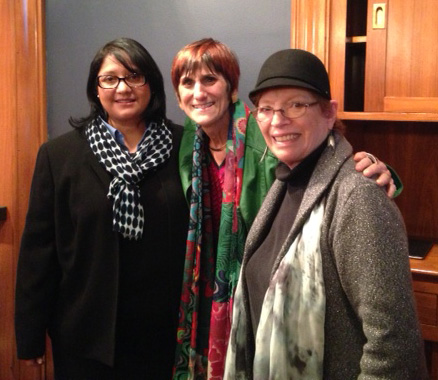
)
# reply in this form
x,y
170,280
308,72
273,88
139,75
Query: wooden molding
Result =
x,y
390,116
22,130
375,64
410,104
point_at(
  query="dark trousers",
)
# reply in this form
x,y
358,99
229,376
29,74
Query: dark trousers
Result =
x,y
70,367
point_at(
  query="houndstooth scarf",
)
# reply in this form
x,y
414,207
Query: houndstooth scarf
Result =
x,y
128,170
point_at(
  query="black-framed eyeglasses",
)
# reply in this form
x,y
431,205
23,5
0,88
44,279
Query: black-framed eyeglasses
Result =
x,y
292,111
111,81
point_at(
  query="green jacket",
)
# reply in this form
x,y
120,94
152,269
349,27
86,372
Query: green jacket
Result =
x,y
258,172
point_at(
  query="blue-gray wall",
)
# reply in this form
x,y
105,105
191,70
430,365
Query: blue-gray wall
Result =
x,y
76,29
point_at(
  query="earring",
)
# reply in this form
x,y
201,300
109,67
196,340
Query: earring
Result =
x,y
331,140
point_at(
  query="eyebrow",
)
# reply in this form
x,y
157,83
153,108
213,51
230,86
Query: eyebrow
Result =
x,y
287,102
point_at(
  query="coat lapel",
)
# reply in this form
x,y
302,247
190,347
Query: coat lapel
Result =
x,y
325,172
104,178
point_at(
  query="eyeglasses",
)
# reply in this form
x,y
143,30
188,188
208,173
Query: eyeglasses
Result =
x,y
111,81
292,111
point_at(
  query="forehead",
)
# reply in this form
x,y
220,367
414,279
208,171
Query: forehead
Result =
x,y
200,70
285,94
111,62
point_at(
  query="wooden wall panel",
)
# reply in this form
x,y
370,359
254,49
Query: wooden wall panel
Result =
x,y
22,130
8,97
317,28
336,42
411,148
375,62
310,23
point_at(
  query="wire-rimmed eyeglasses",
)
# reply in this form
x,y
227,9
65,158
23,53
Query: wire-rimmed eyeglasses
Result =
x,y
292,111
111,81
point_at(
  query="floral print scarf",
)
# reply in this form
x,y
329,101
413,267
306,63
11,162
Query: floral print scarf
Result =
x,y
211,272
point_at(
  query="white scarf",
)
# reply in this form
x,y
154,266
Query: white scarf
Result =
x,y
290,335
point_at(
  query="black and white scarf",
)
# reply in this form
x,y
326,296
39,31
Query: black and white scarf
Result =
x,y
128,170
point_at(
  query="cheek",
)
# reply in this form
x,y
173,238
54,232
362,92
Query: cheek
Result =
x,y
183,98
146,96
103,99
226,102
317,136
102,95
224,96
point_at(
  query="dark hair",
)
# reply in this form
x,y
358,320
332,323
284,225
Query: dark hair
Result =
x,y
215,55
135,58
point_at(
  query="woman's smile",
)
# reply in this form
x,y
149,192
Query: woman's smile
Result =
x,y
204,97
203,106
284,138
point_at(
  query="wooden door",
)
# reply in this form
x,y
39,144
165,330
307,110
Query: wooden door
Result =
x,y
319,26
22,130
401,62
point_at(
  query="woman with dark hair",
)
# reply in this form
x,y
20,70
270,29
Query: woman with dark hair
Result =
x,y
226,171
101,259
138,58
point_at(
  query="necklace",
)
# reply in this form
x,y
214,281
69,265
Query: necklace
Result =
x,y
218,149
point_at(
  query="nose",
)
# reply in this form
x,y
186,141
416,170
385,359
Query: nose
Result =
x,y
278,118
198,90
122,86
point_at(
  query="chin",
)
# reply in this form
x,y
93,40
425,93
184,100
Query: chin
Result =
x,y
288,160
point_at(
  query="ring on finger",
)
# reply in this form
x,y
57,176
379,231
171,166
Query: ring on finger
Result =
x,y
372,158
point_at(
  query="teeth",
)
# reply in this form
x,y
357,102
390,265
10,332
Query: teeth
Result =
x,y
203,106
286,137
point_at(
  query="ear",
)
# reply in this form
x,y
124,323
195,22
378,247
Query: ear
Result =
x,y
333,111
234,97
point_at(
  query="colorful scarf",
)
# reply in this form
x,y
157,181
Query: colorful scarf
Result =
x,y
290,336
128,171
211,273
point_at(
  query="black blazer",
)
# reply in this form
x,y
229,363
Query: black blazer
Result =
x,y
68,269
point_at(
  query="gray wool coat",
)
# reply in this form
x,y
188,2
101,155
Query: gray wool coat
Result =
x,y
371,326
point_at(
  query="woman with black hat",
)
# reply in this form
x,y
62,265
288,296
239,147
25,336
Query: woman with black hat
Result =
x,y
325,287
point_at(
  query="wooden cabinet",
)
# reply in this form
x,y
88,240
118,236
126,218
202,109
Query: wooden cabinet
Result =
x,y
425,283
381,55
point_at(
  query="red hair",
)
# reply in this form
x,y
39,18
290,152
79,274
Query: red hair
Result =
x,y
215,55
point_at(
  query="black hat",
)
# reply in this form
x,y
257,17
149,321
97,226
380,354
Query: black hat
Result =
x,y
293,67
